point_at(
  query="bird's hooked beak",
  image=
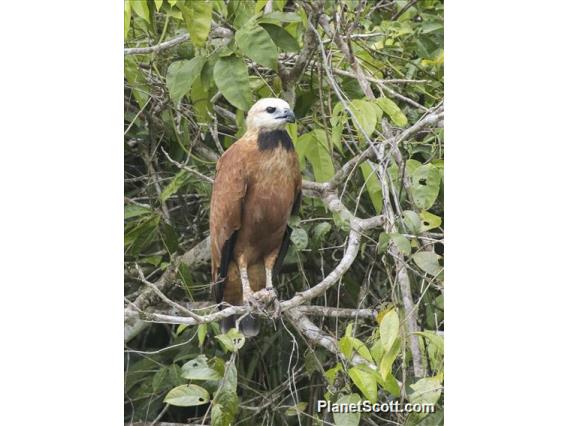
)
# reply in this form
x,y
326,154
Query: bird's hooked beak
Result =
x,y
289,116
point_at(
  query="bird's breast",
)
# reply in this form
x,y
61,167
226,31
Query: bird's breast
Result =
x,y
272,189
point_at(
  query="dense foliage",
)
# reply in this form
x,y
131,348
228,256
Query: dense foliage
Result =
x,y
370,71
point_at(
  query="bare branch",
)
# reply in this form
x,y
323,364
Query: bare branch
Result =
x,y
217,31
289,77
316,335
382,85
326,311
164,297
158,47
198,255
345,49
187,169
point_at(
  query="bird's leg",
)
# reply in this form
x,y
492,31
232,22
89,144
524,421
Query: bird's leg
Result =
x,y
269,262
247,291
248,296
270,293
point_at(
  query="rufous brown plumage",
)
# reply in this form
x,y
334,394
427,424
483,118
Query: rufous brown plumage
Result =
x,y
257,186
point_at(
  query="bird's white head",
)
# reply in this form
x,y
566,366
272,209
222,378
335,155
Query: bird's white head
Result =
x,y
269,114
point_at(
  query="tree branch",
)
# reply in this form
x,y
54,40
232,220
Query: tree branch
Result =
x,y
345,49
316,335
158,47
197,256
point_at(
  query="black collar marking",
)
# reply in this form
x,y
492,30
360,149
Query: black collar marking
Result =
x,y
272,138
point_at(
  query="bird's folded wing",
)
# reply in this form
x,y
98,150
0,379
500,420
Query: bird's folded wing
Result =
x,y
227,199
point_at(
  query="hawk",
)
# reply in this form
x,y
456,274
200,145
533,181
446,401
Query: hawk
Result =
x,y
257,187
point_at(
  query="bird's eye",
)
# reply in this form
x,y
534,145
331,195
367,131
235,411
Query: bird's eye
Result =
x,y
270,110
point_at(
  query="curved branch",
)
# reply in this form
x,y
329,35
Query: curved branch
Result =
x,y
316,335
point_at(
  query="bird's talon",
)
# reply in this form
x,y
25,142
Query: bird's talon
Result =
x,y
268,295
277,309
252,301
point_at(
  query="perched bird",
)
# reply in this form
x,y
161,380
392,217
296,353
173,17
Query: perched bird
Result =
x,y
257,187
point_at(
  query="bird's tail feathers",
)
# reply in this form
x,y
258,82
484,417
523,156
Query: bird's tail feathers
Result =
x,y
249,325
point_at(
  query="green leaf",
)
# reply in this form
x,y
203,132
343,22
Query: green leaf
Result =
x,y
331,374
426,390
179,180
256,43
428,261
138,236
242,12
361,349
377,351
384,239
435,349
365,115
401,242
389,329
169,238
232,340
429,27
298,408
197,369
282,38
136,80
187,396
230,378
197,17
231,77
336,135
393,111
180,329
201,333
300,238
338,114
389,384
348,344
349,418
373,185
226,401
181,75
201,101
313,146
127,17
365,381
412,221
160,378
132,210
152,260
158,4
385,366
411,166
320,231
433,337
429,221
425,185
140,7
280,16
220,416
